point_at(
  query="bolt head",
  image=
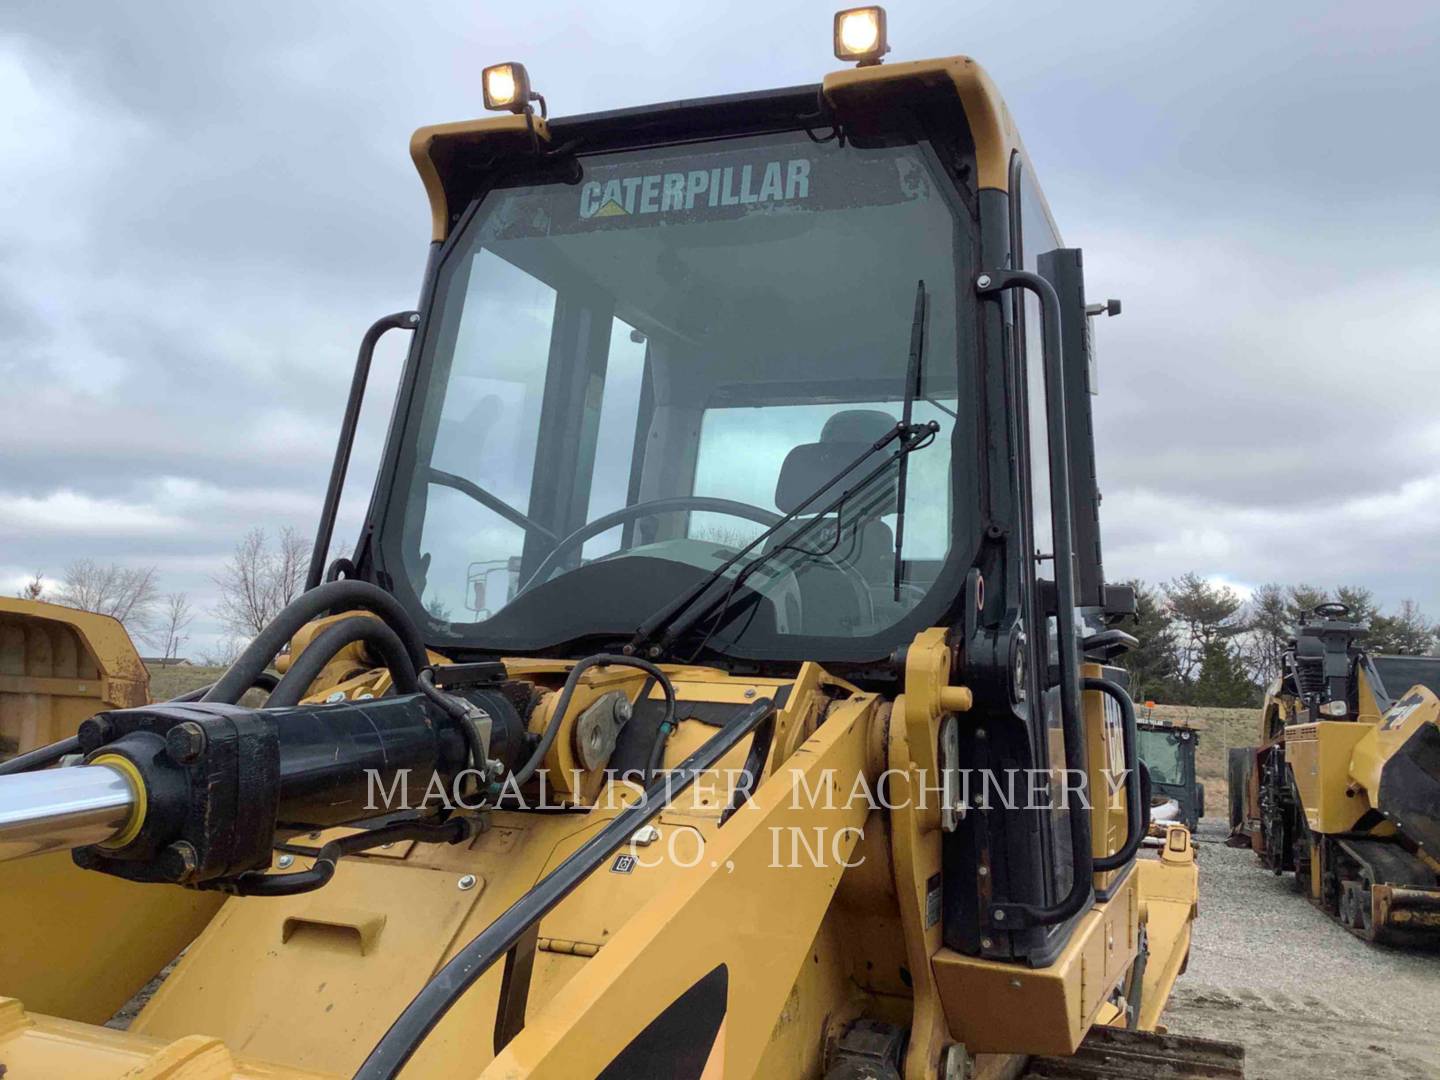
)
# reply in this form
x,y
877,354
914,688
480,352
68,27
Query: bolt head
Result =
x,y
983,281
1000,915
285,862
185,742
466,883
750,693
334,696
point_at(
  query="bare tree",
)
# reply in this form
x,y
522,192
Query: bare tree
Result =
x,y
125,593
34,589
171,630
223,653
260,579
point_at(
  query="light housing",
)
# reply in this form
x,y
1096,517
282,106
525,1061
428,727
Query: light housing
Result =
x,y
860,35
506,87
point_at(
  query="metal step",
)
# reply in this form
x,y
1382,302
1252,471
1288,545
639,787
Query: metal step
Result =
x,y
1114,1054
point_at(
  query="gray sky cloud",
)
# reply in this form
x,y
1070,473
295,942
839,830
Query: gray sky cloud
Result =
x,y
203,205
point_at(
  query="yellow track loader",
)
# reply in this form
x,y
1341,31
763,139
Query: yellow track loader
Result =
x,y
720,685
1344,791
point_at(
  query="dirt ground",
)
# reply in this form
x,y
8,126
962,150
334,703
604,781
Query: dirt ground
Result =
x,y
1308,1000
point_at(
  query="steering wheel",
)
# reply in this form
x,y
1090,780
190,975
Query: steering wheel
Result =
x,y
660,506
1332,609
625,514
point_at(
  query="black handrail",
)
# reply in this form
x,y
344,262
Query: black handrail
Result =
x,y
446,987
401,320
1137,809
1018,916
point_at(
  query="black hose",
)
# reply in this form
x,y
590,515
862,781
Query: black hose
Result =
x,y
266,681
259,883
526,771
657,749
40,757
477,956
321,600
327,645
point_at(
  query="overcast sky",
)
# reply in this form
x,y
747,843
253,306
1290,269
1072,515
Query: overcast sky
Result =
x,y
203,205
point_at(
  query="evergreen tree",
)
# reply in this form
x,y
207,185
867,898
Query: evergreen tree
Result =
x,y
1204,613
1408,632
1152,665
1223,681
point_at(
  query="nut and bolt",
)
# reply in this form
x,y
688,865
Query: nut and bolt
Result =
x,y
466,883
185,742
750,693
285,862
999,915
983,281
334,696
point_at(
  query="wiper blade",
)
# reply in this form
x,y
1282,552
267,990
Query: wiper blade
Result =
x,y
678,616
912,388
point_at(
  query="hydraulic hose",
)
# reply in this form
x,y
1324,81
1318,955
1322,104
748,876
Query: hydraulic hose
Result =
x,y
266,680
326,647
320,600
40,757
477,956
526,771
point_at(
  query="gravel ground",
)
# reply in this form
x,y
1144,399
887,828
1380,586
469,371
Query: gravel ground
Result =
x,y
1308,1000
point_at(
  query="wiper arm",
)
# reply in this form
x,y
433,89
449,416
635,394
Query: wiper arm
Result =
x,y
912,388
682,613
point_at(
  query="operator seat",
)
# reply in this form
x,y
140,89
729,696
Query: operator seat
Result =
x,y
831,603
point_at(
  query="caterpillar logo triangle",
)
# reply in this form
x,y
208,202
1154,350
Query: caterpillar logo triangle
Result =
x,y
611,208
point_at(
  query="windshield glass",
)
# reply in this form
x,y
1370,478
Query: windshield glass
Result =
x,y
1162,754
625,380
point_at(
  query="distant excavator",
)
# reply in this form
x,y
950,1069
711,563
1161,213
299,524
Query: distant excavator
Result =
x,y
1344,790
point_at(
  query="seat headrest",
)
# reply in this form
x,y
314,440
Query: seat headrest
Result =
x,y
845,436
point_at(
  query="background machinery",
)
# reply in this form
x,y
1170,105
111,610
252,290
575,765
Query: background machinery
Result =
x,y
1344,790
771,413
1168,753
59,666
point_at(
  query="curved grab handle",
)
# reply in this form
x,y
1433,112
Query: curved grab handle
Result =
x,y
1136,805
401,320
1018,916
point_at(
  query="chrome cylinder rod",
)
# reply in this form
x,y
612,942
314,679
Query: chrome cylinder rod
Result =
x,y
54,809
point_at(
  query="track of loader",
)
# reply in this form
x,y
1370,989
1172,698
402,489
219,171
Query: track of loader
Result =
x,y
1113,1054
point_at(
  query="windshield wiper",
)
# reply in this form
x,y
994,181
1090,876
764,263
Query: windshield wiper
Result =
x,y
912,389
682,613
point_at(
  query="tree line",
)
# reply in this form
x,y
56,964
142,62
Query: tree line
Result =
x,y
1204,644
259,579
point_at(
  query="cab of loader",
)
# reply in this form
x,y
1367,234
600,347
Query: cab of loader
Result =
x,y
1168,751
669,347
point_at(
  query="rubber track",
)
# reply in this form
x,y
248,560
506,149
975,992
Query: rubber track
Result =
x,y
1114,1054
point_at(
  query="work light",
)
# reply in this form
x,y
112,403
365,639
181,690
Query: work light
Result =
x,y
507,87
860,35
